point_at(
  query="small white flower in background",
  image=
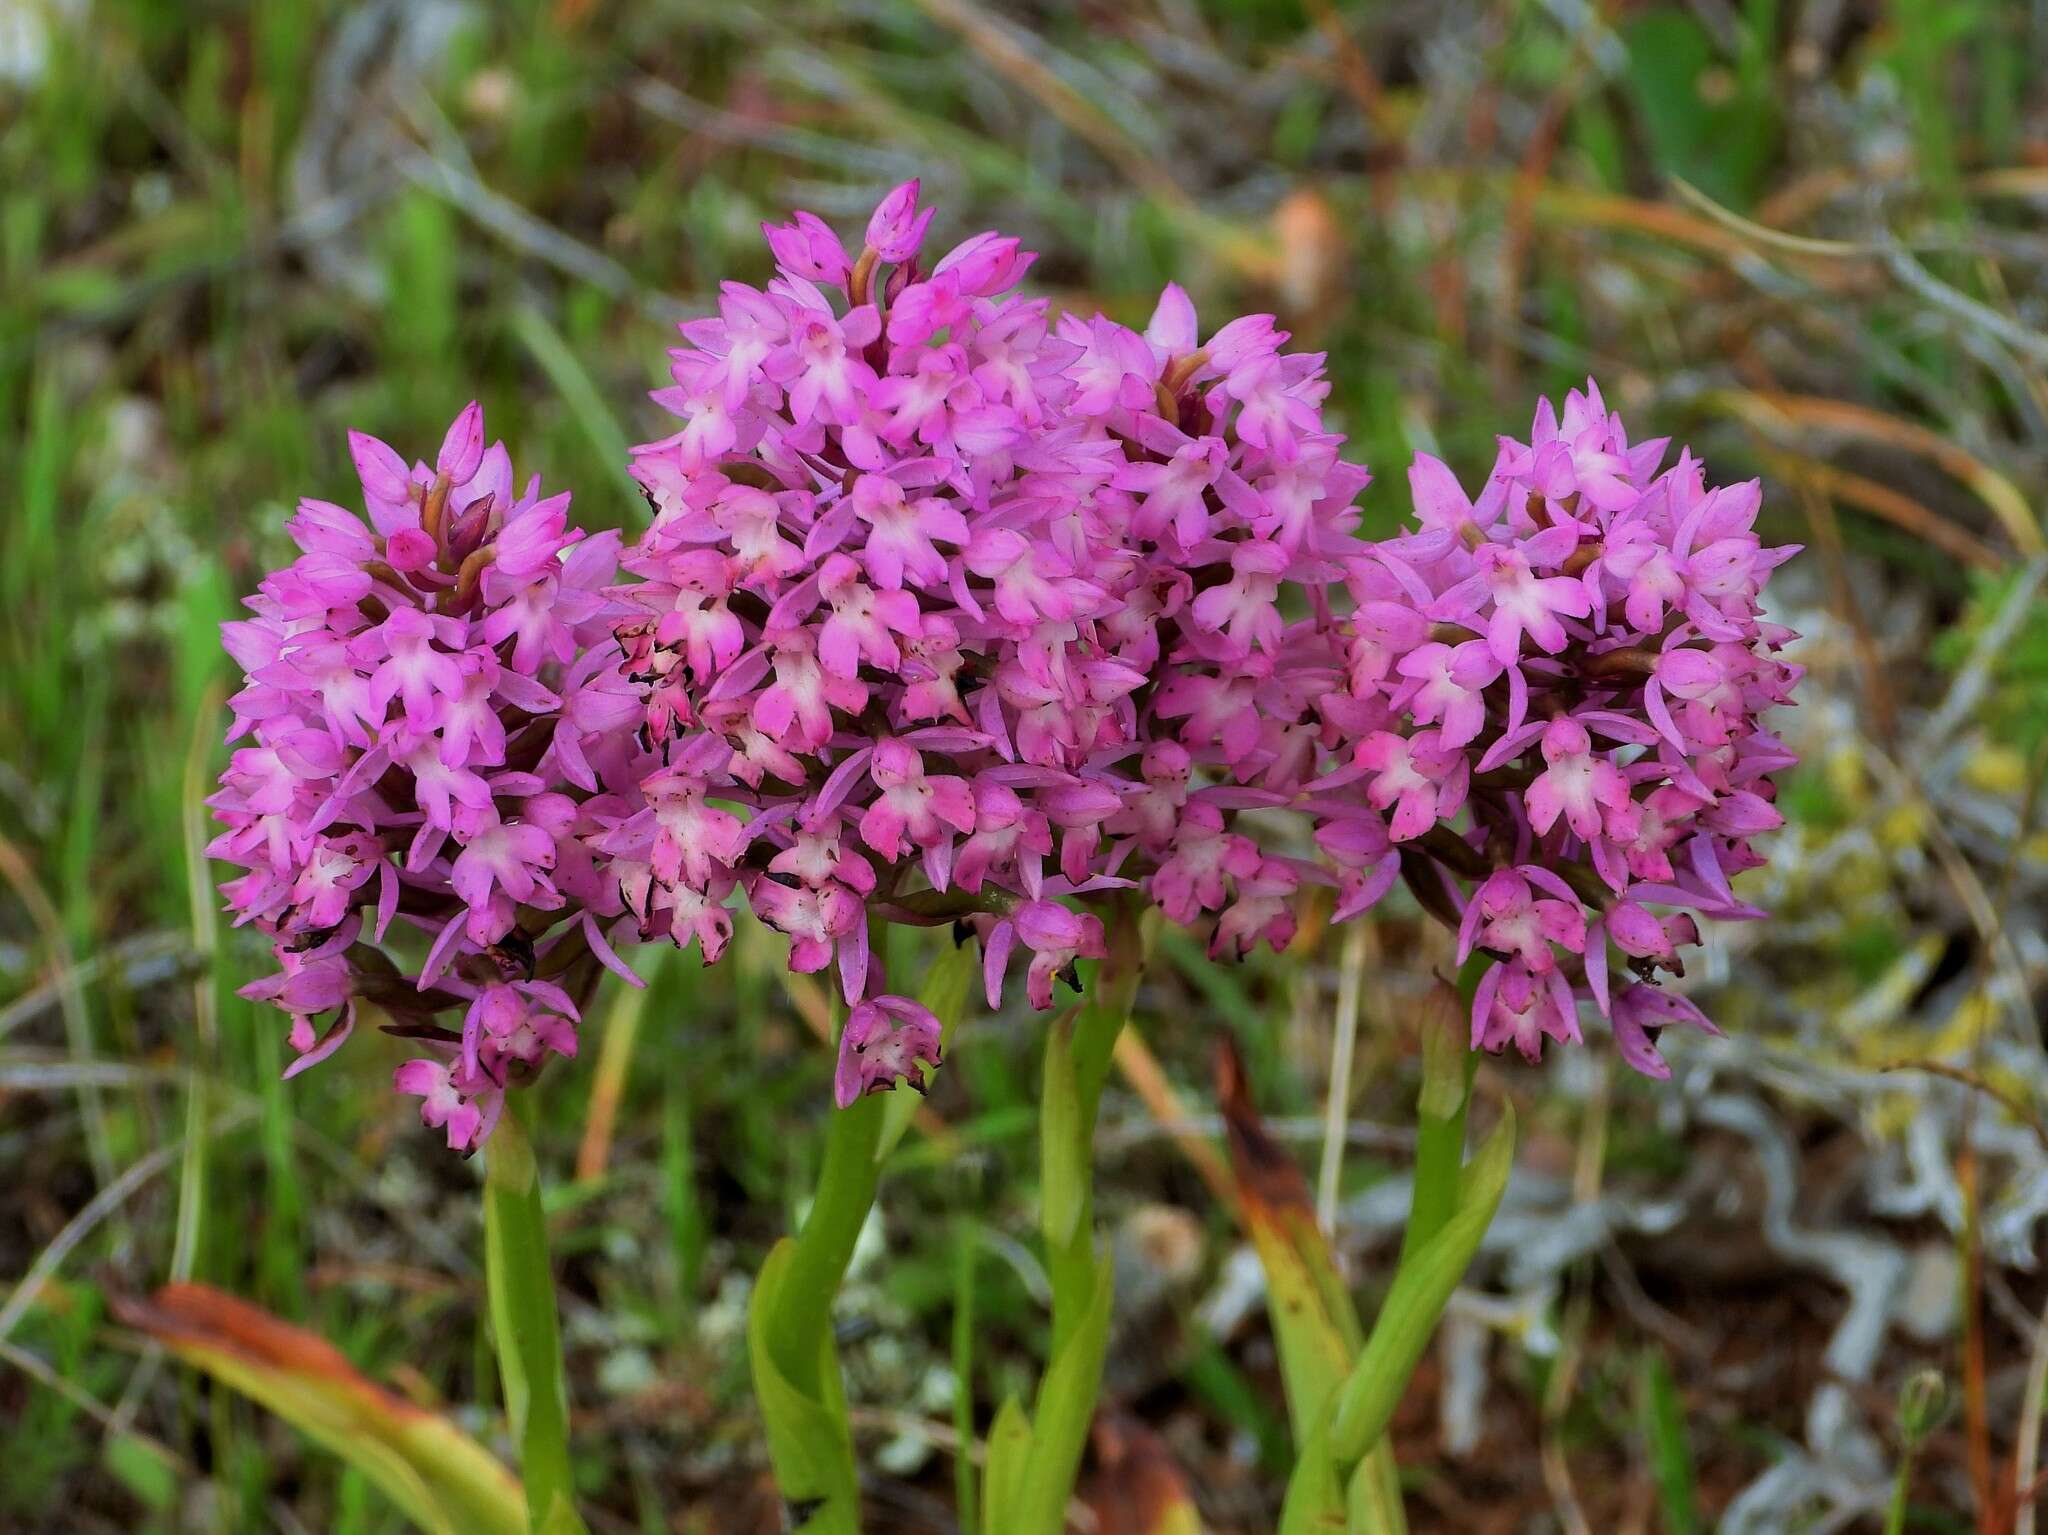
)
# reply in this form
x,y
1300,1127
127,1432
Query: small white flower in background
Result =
x,y
25,27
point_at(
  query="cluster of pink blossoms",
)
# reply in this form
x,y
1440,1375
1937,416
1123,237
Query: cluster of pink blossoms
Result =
x,y
437,741
1558,689
951,609
956,610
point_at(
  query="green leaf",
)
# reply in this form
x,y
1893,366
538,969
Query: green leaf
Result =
x,y
1314,1357
1705,120
1315,1494
945,992
1663,1422
1314,1322
1009,1462
562,1519
436,1475
141,1467
807,1438
1422,1286
1064,1168
1373,1502
1063,1414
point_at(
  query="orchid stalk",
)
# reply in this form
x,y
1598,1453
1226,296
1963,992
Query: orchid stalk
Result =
x,y
789,1327
797,1379
789,1333
524,1329
1077,1059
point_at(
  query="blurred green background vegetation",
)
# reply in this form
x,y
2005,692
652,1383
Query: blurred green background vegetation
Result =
x,y
1805,235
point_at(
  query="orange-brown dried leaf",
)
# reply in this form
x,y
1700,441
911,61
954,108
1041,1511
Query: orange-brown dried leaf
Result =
x,y
440,1478
1136,1486
198,1316
1314,1321
1270,1184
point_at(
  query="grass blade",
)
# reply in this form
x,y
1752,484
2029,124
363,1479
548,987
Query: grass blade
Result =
x,y
1663,1424
965,1248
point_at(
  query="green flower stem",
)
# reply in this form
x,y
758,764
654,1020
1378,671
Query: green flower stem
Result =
x,y
789,1334
1077,1060
1089,1043
1448,1063
1345,1474
523,1325
789,1324
824,1246
1415,1301
1447,1068
1452,1205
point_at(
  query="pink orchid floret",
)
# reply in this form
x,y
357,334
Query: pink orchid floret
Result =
x,y
885,1040
431,737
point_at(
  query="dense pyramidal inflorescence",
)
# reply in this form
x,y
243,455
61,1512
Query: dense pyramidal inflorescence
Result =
x,y
956,610
432,746
1559,691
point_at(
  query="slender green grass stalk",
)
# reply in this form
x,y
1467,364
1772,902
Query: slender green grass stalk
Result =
x,y
192,1176
523,1324
17,873
966,1247
682,1204
586,404
1337,1101
1923,1406
1662,1416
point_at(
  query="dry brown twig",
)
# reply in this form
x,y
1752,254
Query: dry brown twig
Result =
x,y
1827,538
